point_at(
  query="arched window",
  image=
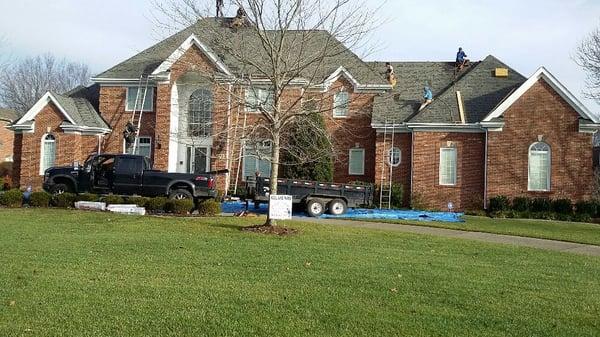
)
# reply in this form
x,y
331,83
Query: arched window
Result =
x,y
539,167
48,153
394,156
200,114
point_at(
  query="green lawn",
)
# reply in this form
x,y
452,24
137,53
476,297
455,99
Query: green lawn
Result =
x,y
544,229
68,273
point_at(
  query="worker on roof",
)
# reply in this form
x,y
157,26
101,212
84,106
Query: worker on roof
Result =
x,y
461,59
427,97
240,18
390,75
219,8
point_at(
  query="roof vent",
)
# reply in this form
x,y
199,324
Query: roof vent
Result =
x,y
501,72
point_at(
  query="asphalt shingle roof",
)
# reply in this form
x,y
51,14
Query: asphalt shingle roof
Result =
x,y
8,115
481,92
228,44
81,110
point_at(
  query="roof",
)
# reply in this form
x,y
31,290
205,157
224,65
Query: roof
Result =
x,y
8,115
481,92
227,44
80,114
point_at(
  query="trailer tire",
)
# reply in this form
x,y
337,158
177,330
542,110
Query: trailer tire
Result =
x,y
315,207
337,207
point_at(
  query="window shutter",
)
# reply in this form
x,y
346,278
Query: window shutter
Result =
x,y
356,162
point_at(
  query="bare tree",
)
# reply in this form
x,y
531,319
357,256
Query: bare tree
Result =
x,y
286,46
24,81
588,57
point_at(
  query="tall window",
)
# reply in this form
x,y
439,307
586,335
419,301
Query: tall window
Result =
x,y
340,104
200,114
143,148
256,159
539,167
394,156
132,94
448,166
257,97
356,162
48,155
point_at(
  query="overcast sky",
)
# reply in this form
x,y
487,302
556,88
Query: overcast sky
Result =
x,y
525,34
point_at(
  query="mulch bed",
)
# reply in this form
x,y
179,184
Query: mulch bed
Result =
x,y
270,230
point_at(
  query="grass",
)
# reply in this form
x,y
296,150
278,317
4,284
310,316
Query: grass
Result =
x,y
578,232
68,273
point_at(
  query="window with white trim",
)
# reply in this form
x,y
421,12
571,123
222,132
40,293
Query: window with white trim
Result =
x,y
356,162
256,159
394,156
132,94
143,148
48,153
259,97
539,167
200,114
448,166
340,104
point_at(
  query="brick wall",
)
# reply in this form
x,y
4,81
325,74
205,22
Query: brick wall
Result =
x,y
401,173
468,191
6,142
27,147
540,112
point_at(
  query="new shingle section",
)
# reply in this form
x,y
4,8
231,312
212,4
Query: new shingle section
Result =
x,y
402,103
228,44
81,111
481,92
8,115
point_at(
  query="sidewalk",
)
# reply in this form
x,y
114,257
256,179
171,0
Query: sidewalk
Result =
x,y
559,246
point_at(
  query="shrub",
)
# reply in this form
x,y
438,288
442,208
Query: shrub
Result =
x,y
521,204
139,201
586,207
562,206
499,203
112,199
417,201
40,199
156,204
540,205
182,207
582,218
65,200
87,197
397,196
209,207
12,198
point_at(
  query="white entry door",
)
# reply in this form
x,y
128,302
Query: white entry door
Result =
x,y
197,159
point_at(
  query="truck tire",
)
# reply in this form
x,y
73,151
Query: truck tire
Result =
x,y
59,189
180,194
337,207
315,207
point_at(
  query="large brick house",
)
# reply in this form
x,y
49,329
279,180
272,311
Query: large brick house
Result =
x,y
488,131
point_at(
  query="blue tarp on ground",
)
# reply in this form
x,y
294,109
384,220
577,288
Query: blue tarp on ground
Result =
x,y
359,213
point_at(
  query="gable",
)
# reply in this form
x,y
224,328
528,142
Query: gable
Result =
x,y
559,88
40,105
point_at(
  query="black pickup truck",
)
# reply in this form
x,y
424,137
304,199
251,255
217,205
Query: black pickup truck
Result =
x,y
124,174
317,197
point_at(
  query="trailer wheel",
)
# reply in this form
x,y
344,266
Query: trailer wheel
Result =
x,y
337,207
315,207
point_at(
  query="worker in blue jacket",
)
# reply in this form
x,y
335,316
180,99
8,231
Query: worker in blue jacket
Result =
x,y
427,97
461,59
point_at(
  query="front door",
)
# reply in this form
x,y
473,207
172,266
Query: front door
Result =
x,y
198,159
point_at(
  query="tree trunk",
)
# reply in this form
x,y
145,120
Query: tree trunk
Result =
x,y
274,173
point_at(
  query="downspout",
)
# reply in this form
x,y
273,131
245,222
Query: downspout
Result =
x,y
485,173
99,144
227,142
412,162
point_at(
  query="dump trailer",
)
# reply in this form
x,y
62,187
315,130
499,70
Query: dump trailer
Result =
x,y
317,197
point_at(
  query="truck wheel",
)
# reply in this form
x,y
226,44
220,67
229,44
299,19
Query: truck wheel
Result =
x,y
337,207
59,189
180,194
315,207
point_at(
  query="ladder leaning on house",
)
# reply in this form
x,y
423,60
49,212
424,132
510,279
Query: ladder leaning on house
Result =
x,y
136,116
387,169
